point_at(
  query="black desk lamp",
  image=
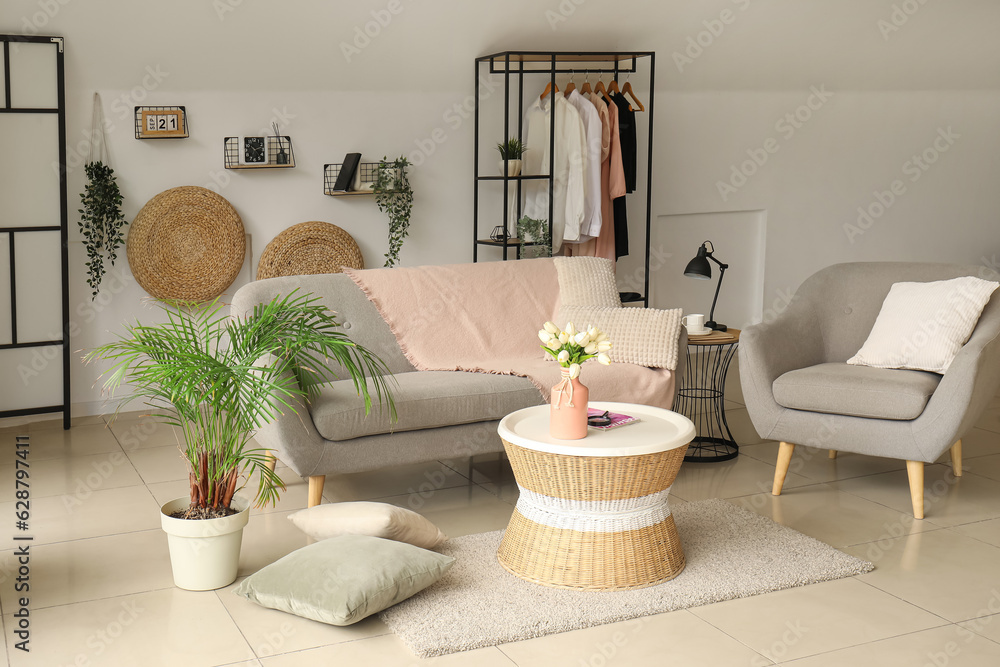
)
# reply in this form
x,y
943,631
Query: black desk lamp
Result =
x,y
700,268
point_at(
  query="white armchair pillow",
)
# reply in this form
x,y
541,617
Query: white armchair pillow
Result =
x,y
922,326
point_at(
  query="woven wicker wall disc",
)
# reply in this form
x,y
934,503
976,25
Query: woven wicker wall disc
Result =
x,y
309,248
187,244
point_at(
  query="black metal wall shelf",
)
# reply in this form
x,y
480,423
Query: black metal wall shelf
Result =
x,y
276,147
167,122
518,64
332,171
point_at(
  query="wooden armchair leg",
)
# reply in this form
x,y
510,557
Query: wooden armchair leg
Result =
x,y
915,471
785,450
271,461
316,483
833,453
956,458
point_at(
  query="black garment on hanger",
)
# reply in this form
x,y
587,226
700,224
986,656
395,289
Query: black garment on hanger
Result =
x,y
621,227
626,135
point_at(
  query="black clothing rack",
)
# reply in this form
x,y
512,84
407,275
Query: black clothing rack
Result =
x,y
518,64
9,105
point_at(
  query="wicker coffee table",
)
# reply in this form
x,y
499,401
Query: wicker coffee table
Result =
x,y
593,513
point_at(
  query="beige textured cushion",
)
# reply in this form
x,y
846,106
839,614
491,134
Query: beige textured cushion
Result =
x,y
922,326
587,281
641,336
366,518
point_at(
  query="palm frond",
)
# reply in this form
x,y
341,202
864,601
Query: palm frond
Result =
x,y
220,378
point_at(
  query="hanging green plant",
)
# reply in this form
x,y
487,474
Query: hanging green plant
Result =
x,y
535,235
101,221
394,198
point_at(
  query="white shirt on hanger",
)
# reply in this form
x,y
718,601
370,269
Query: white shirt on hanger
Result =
x,y
591,226
570,161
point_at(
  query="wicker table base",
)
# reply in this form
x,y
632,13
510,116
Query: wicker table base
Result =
x,y
593,523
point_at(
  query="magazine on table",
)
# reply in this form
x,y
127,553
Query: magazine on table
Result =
x,y
605,420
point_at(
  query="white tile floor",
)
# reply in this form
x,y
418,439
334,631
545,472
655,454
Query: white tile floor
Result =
x,y
101,590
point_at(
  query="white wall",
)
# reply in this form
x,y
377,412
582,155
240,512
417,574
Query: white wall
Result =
x,y
236,64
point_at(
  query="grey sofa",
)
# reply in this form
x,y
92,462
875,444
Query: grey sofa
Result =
x,y
442,415
799,390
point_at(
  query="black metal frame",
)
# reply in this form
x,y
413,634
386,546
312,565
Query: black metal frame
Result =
x,y
62,228
701,398
552,63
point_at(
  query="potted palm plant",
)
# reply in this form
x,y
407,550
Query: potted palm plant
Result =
x,y
218,379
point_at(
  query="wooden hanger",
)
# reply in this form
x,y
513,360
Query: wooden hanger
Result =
x,y
570,87
627,90
599,88
549,88
613,87
585,89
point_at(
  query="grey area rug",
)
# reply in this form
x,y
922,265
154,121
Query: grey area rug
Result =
x,y
731,553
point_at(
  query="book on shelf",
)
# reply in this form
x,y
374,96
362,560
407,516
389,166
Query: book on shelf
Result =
x,y
347,170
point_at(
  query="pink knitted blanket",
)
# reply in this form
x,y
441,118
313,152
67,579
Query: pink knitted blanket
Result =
x,y
485,318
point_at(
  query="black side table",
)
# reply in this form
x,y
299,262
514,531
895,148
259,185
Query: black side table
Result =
x,y
701,396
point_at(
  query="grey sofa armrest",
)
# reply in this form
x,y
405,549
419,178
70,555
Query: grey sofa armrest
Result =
x,y
769,350
293,438
968,386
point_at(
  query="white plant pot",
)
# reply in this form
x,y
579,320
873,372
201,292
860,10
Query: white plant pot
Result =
x,y
204,554
513,168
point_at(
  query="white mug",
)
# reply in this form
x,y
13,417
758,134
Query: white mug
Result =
x,y
693,322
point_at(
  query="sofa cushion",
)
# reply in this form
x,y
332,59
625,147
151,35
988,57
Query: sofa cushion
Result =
x,y
856,391
424,399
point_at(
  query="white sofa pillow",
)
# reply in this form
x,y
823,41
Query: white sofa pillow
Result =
x,y
367,518
922,326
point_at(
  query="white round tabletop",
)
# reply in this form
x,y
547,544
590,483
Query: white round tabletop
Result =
x,y
657,430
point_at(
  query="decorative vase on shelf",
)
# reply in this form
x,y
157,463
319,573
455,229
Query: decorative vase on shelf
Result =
x,y
513,168
568,408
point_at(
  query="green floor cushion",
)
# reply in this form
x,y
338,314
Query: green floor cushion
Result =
x,y
344,579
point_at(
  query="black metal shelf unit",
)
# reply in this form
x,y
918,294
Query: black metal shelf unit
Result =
x,y
518,64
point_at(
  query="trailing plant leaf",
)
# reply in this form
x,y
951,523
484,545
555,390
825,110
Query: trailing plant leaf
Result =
x,y
101,221
535,232
394,198
219,379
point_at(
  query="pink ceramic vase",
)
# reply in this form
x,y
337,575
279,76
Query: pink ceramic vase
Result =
x,y
568,408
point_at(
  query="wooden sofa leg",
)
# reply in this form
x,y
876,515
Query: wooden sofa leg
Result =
x,y
956,458
833,453
316,489
271,460
915,471
785,450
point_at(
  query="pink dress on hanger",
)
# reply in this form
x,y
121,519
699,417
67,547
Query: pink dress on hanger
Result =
x,y
612,178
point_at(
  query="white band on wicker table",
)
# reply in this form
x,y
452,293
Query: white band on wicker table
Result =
x,y
594,516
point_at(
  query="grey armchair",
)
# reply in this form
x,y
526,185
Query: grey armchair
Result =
x,y
799,390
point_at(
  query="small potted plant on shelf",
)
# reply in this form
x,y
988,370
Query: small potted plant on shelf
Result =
x,y
394,197
510,154
218,379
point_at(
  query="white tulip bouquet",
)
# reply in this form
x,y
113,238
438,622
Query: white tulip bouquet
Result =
x,y
571,347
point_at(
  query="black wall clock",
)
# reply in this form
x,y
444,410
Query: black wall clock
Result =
x,y
253,150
